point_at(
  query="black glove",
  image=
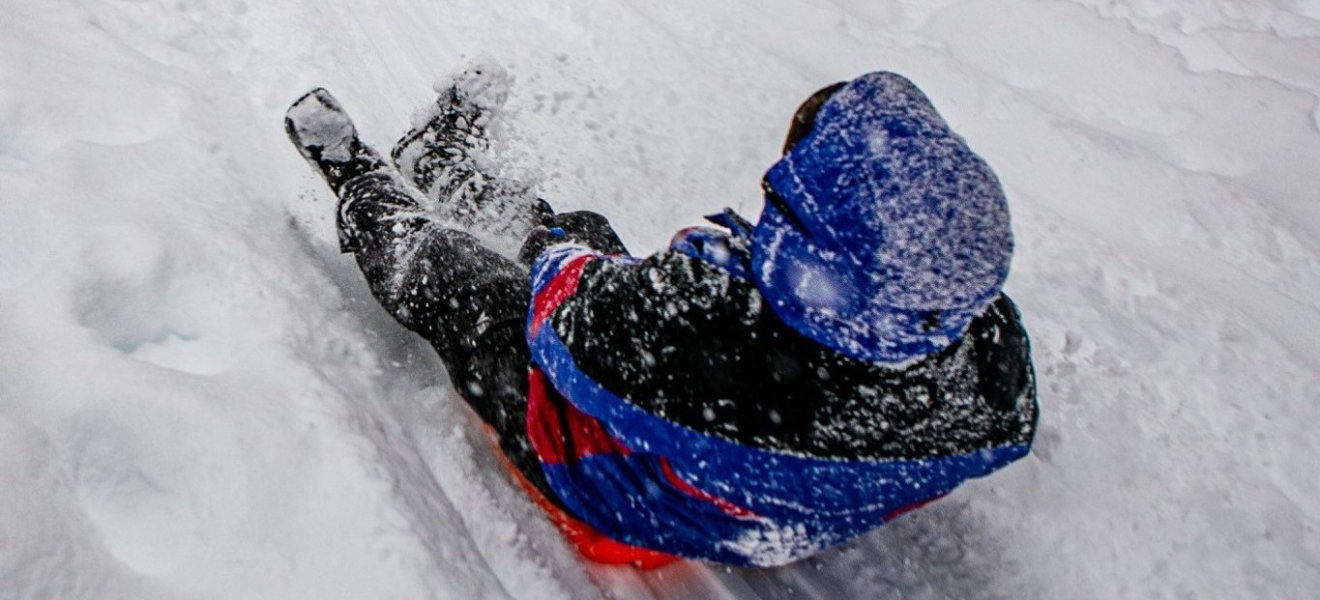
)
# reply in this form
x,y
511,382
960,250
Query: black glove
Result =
x,y
580,227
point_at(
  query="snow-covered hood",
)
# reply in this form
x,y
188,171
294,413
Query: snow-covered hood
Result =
x,y
882,234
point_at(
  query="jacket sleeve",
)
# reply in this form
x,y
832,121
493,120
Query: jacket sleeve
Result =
x,y
617,289
677,336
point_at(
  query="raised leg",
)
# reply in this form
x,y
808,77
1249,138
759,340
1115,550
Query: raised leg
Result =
x,y
465,299
447,156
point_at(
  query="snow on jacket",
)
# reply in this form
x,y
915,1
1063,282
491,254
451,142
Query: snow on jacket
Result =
x,y
707,402
702,426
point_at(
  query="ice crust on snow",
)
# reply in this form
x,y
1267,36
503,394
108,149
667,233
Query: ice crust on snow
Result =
x,y
199,399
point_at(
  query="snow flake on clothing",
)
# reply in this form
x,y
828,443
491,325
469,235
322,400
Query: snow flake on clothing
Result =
x,y
639,472
671,412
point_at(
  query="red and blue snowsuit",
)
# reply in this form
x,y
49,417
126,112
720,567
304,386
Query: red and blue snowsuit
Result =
x,y
706,444
754,393
705,401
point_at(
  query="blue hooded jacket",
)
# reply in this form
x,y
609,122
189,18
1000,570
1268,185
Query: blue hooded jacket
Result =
x,y
753,396
883,234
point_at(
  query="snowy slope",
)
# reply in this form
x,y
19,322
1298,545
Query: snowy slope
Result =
x,y
199,399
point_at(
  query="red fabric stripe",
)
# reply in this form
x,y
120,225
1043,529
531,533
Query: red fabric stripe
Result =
x,y
588,436
544,429
903,510
563,438
729,508
592,544
558,289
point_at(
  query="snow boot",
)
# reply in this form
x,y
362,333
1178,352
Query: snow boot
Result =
x,y
445,155
321,130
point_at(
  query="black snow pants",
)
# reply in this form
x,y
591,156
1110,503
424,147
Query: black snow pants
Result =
x,y
467,301
442,282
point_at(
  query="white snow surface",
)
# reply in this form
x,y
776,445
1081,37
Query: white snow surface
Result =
x,y
199,398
